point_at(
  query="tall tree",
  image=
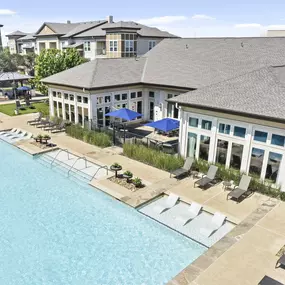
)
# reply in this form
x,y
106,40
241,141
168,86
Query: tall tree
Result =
x,y
6,62
52,61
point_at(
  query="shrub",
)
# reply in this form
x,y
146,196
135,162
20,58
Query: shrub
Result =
x,y
100,139
153,157
137,182
128,173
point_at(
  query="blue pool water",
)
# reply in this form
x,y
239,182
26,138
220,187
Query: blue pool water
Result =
x,y
55,231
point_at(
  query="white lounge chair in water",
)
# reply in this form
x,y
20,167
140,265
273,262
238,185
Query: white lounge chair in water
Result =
x,y
193,211
215,223
19,136
8,132
166,204
17,132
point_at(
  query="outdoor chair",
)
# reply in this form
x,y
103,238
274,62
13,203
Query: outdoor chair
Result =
x,y
207,179
18,131
266,280
185,169
42,123
216,222
59,128
281,261
241,190
166,204
193,212
38,119
8,132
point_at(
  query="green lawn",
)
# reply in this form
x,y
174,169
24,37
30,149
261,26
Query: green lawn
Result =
x,y
9,109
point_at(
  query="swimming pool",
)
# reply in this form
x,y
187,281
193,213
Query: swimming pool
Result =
x,y
55,231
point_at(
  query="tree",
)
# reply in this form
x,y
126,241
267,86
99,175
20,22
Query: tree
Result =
x,y
52,61
6,62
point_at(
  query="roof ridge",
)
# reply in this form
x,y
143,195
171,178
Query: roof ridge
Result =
x,y
93,73
144,68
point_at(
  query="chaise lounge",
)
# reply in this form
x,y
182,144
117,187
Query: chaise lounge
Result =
x,y
266,280
216,222
241,190
166,204
37,120
207,179
185,169
193,212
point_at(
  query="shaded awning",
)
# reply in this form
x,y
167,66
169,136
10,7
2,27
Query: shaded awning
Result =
x,y
76,45
165,125
13,76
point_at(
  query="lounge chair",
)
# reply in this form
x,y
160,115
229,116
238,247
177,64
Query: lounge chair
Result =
x,y
207,179
59,128
166,204
17,132
266,280
38,119
183,170
19,136
193,212
241,190
8,132
216,222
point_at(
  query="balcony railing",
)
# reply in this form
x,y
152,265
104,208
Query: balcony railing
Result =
x,y
101,51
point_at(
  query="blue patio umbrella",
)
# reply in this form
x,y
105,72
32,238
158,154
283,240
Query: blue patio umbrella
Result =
x,y
124,113
165,125
24,88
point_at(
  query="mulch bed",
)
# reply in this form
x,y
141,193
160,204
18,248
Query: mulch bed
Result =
x,y
123,182
41,145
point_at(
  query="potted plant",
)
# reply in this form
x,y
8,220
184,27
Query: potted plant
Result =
x,y
116,167
39,138
128,174
137,182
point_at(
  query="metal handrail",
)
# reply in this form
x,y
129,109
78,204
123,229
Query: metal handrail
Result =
x,y
65,150
104,166
81,157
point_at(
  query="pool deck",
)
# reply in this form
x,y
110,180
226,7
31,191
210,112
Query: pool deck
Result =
x,y
243,256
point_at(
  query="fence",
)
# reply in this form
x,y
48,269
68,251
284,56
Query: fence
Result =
x,y
123,134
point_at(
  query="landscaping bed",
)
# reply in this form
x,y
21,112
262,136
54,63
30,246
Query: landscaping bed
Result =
x,y
123,182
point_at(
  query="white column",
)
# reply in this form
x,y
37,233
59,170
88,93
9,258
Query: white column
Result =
x,y
82,114
75,109
57,109
281,174
63,110
51,106
246,156
213,139
90,111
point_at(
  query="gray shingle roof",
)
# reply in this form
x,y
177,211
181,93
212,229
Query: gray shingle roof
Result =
x,y
10,76
260,92
100,73
59,28
195,63
16,33
28,37
82,28
142,30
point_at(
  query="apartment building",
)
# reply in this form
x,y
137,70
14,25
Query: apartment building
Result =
x,y
95,39
227,92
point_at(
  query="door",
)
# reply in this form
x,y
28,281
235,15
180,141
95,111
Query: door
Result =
x,y
151,110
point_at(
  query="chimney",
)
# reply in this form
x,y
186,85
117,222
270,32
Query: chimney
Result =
x,y
110,19
68,22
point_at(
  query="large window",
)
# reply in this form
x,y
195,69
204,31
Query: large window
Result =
x,y
236,156
278,140
129,46
117,97
239,132
206,125
192,144
260,136
193,122
151,94
273,165
222,151
87,46
133,95
124,96
113,45
204,147
224,129
257,156
85,100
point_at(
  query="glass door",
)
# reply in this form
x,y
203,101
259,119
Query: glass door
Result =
x,y
192,145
